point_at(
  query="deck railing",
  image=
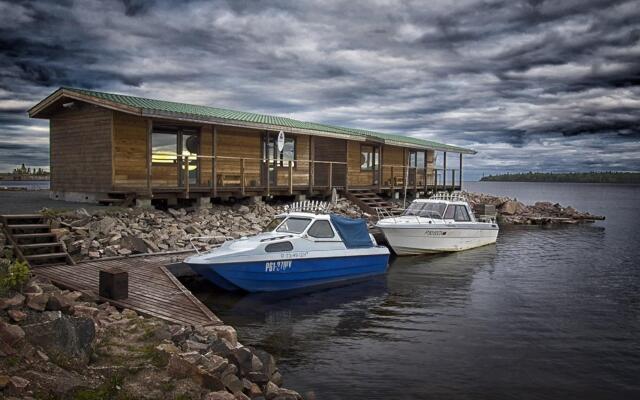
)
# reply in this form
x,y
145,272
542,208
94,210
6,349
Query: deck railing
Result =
x,y
188,172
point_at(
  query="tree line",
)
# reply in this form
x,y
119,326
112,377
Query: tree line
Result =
x,y
576,177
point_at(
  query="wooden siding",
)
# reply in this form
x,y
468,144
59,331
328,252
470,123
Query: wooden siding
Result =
x,y
238,142
206,149
301,169
80,146
130,134
329,149
393,155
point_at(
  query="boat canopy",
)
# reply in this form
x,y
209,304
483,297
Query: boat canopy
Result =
x,y
354,232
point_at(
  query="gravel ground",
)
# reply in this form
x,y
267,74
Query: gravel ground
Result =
x,y
27,201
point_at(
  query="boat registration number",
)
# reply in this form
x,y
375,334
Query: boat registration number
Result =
x,y
435,233
277,266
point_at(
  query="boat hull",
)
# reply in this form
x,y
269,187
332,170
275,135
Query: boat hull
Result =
x,y
291,274
421,240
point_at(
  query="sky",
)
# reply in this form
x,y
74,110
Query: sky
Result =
x,y
531,85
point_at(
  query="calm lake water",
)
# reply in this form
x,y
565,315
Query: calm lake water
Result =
x,y
544,313
28,185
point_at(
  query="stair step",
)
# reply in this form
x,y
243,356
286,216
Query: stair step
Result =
x,y
45,256
21,216
33,235
28,226
38,245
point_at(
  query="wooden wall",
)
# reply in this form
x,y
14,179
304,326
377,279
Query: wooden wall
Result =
x,y
393,155
129,150
206,149
329,149
301,169
80,148
238,142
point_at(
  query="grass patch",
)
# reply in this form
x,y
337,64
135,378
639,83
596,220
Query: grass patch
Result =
x,y
110,390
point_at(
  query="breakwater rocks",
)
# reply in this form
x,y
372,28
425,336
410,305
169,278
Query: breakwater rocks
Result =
x,y
511,211
121,232
62,344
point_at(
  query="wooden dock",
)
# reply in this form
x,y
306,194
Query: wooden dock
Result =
x,y
153,290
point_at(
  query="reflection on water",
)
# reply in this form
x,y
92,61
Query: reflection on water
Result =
x,y
543,313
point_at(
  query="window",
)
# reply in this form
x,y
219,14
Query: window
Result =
x,y
450,212
416,159
461,214
164,148
321,229
369,158
170,143
294,225
278,247
283,157
426,210
273,224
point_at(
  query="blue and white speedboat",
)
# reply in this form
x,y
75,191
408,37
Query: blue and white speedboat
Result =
x,y
297,249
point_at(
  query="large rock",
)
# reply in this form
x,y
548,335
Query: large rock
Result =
x,y
268,362
511,207
233,383
37,301
11,338
17,385
67,340
102,227
14,301
59,302
219,395
135,244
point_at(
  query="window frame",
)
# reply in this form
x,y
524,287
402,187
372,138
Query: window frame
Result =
x,y
295,233
466,212
178,131
375,158
272,245
333,232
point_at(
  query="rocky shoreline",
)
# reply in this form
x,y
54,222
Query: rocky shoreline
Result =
x,y
511,211
59,344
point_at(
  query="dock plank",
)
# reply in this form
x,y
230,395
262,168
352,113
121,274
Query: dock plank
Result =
x,y
153,290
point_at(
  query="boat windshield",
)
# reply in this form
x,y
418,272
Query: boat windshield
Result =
x,y
273,224
294,225
427,210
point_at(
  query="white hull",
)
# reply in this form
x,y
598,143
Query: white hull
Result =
x,y
406,240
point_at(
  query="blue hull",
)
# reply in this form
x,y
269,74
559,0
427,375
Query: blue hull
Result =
x,y
270,276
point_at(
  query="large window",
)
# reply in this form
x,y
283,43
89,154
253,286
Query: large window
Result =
x,y
281,158
169,144
369,157
294,225
416,159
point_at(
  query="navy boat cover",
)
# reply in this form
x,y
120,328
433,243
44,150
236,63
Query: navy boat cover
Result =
x,y
354,232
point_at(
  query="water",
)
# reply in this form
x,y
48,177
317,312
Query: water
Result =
x,y
28,185
545,313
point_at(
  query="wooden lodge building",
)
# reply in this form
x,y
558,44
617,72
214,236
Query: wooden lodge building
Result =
x,y
108,146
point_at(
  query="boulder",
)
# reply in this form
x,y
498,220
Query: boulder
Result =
x,y
17,385
254,391
277,378
511,207
244,210
4,381
268,362
14,301
287,394
17,315
181,367
271,390
135,244
66,339
242,357
102,226
232,383
226,332
59,302
37,301
219,395
11,338
208,380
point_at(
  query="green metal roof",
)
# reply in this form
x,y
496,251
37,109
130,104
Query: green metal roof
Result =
x,y
170,108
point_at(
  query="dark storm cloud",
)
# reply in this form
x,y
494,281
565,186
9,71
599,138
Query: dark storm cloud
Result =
x,y
520,81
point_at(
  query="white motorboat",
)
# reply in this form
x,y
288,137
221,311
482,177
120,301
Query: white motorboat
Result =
x,y
442,223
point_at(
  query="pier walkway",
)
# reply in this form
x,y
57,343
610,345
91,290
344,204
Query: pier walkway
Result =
x,y
153,290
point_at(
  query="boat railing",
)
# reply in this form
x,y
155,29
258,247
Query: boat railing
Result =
x,y
195,246
313,206
446,196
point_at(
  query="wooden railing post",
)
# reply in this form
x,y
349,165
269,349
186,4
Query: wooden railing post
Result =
x,y
460,172
346,177
444,172
186,176
312,176
149,157
393,181
435,180
290,177
330,175
268,176
242,177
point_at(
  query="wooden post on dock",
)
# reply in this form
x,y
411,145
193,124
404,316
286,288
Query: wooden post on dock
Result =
x,y
242,177
113,283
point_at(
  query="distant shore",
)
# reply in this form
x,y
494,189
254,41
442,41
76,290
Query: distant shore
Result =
x,y
572,177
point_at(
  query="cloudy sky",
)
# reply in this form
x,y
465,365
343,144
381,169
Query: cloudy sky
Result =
x,y
532,85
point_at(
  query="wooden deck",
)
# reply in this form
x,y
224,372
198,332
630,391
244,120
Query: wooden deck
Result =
x,y
153,290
